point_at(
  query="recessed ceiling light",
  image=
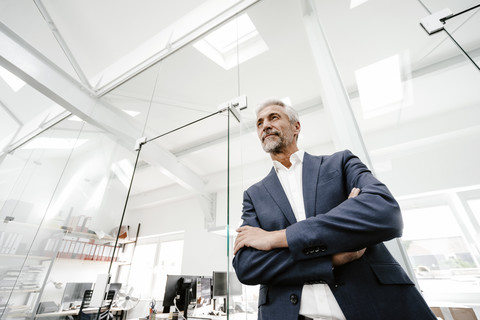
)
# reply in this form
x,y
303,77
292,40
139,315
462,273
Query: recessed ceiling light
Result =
x,y
12,80
235,42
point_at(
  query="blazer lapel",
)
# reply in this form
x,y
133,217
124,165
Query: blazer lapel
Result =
x,y
274,188
311,168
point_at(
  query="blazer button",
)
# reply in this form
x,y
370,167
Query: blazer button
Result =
x,y
323,248
293,298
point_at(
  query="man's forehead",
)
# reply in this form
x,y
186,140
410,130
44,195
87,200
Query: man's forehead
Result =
x,y
273,108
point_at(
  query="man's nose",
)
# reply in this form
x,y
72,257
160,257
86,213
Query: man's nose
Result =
x,y
267,125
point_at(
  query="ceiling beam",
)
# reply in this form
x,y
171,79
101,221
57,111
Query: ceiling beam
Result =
x,y
61,41
28,64
190,27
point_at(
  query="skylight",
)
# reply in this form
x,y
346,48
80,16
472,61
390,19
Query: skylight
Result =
x,y
233,43
380,85
12,80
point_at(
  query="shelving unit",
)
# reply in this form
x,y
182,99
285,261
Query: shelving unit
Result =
x,y
31,266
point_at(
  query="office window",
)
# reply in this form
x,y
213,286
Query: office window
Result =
x,y
169,262
434,240
154,258
440,240
141,274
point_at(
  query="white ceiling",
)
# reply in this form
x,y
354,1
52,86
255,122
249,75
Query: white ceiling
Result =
x,y
101,40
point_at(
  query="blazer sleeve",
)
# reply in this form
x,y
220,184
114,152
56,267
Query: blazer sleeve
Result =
x,y
276,266
368,219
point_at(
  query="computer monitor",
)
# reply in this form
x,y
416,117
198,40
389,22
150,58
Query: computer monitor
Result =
x,y
181,290
220,283
73,294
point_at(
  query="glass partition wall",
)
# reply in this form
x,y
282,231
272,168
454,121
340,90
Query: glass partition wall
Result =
x,y
60,213
180,190
404,101
416,105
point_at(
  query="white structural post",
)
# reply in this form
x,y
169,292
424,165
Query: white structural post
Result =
x,y
337,105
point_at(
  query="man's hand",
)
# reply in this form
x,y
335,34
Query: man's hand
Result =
x,y
342,258
267,240
259,239
355,192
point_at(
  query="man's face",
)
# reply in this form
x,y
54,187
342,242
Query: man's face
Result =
x,y
274,129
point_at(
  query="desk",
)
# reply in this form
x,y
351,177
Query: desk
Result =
x,y
208,317
73,313
160,316
64,313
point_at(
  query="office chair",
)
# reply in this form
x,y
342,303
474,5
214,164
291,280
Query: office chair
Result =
x,y
102,313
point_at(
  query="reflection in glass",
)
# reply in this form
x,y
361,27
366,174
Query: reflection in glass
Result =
x,y
182,207
60,203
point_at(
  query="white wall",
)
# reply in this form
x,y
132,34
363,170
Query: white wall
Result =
x,y
203,251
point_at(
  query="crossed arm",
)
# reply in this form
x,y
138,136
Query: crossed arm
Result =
x,y
268,240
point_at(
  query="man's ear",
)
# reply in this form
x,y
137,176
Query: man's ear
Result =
x,y
297,128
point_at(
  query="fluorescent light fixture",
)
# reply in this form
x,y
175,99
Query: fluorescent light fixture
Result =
x,y
356,3
235,42
12,80
54,143
380,84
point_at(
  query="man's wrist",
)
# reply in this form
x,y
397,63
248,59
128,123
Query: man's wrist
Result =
x,y
279,239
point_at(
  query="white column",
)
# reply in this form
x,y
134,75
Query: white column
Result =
x,y
336,102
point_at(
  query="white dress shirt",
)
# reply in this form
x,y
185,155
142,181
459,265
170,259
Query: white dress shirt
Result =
x,y
317,301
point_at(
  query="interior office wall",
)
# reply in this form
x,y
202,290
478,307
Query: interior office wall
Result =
x,y
184,216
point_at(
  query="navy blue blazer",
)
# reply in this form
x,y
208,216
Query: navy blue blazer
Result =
x,y
372,287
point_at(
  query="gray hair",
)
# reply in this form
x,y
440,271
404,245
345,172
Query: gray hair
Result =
x,y
290,112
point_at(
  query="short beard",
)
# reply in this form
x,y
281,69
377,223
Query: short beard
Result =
x,y
277,146
274,146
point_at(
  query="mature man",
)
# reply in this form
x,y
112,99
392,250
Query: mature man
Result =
x,y
312,234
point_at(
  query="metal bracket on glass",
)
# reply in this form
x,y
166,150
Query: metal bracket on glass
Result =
x,y
435,22
139,143
8,219
234,105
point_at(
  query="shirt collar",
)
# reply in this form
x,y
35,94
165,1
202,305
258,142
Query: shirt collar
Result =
x,y
295,158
